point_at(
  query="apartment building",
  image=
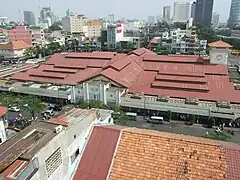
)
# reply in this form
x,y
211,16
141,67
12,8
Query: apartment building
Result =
x,y
37,35
74,23
93,28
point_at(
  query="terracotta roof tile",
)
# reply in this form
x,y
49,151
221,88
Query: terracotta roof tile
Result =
x,y
144,154
233,162
219,44
15,45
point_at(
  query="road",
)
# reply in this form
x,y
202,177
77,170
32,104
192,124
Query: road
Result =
x,y
179,128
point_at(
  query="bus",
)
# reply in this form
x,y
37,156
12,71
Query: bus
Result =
x,y
155,120
131,116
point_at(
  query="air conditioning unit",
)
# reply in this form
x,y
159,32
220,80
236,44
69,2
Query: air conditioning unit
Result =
x,y
58,129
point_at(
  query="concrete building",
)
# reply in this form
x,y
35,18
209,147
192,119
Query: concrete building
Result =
x,y
50,150
159,18
14,49
15,33
111,35
46,16
151,20
74,24
166,13
127,32
37,35
234,16
235,33
130,151
94,28
203,13
3,124
193,10
110,18
215,20
181,11
4,20
184,40
29,18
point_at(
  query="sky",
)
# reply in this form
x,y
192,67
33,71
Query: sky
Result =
x,y
130,9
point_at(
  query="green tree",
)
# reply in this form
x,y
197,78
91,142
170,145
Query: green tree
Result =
x,y
169,115
34,105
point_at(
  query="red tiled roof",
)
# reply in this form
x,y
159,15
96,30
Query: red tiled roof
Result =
x,y
233,162
181,78
219,44
142,51
15,169
94,55
180,86
98,154
144,154
15,45
3,111
135,73
170,58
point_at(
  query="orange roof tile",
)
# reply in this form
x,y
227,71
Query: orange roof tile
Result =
x,y
15,45
144,154
219,44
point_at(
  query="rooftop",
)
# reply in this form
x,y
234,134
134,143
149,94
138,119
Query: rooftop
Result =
x,y
219,44
15,45
140,71
74,116
3,111
26,143
145,154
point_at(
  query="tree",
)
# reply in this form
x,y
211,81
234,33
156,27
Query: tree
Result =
x,y
34,105
169,115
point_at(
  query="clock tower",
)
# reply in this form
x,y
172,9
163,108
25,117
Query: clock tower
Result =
x,y
219,52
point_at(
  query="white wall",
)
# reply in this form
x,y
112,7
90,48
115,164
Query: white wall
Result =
x,y
215,55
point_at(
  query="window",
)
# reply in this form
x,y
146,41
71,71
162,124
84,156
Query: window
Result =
x,y
111,95
75,155
79,92
0,140
53,162
74,136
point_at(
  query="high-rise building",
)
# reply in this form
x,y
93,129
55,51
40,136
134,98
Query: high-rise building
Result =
x,y
193,10
166,13
151,20
159,18
234,16
29,18
74,23
111,18
215,20
181,11
203,13
111,35
46,16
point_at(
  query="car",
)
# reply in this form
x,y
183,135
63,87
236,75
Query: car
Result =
x,y
54,107
48,112
14,109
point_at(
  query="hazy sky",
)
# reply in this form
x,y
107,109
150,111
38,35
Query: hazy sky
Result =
x,y
131,9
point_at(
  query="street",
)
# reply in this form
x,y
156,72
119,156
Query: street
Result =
x,y
179,128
